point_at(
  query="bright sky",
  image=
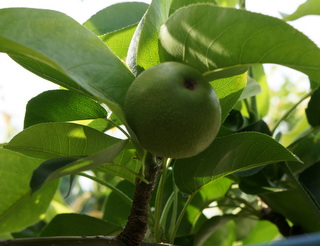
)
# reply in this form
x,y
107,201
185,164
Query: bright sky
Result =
x,y
17,85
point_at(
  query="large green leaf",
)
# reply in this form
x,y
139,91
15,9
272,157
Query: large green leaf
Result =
x,y
55,168
309,7
51,140
222,42
61,105
51,40
143,52
78,225
18,208
226,155
116,17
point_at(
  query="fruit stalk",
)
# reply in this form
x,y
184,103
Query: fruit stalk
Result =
x,y
136,227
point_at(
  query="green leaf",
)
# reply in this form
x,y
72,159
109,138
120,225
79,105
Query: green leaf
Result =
x,y
226,155
209,231
51,140
59,167
309,7
223,232
61,105
203,36
310,180
115,209
143,52
263,99
126,165
264,231
52,39
307,149
296,204
252,89
18,208
115,17
227,3
229,91
78,225
312,111
209,193
119,40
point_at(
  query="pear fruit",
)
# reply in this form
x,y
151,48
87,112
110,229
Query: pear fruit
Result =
x,y
173,110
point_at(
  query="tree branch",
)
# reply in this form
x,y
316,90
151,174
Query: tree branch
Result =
x,y
69,241
136,227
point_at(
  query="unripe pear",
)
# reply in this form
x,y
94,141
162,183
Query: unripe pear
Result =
x,y
173,110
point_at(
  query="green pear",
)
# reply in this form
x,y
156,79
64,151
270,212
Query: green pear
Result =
x,y
173,110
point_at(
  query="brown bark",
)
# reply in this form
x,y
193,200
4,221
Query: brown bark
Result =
x,y
69,241
136,227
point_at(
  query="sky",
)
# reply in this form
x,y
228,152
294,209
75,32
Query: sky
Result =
x,y
17,85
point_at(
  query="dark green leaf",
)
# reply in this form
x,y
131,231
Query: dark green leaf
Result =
x,y
203,35
59,167
116,17
295,204
115,209
58,139
61,105
259,126
310,179
313,109
78,225
18,208
226,155
46,168
307,149
54,39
